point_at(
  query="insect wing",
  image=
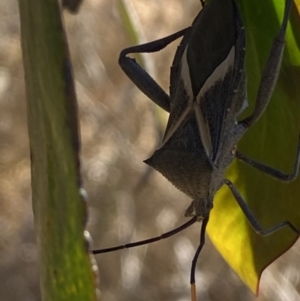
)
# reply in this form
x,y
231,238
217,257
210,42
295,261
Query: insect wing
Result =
x,y
207,73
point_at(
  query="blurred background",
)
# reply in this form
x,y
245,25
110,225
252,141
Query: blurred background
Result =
x,y
127,202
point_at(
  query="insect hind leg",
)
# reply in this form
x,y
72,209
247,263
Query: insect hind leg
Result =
x,y
270,72
140,77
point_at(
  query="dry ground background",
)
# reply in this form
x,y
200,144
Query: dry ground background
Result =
x,y
119,129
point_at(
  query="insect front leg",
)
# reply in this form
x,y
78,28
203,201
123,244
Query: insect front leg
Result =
x,y
140,77
270,72
273,172
251,218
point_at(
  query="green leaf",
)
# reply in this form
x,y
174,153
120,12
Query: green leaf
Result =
x,y
65,266
273,141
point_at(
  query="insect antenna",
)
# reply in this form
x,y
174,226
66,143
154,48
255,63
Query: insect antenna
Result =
x,y
149,240
195,259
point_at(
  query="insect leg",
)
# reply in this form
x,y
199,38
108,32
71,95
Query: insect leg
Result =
x,y
271,71
251,218
140,77
277,174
